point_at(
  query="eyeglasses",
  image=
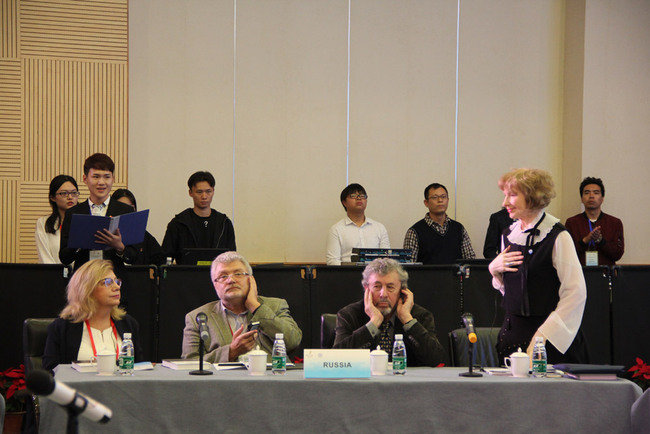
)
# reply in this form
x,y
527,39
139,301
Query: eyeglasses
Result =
x,y
67,193
356,196
436,197
237,276
109,281
389,288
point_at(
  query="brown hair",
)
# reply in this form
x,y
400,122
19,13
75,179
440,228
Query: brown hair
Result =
x,y
536,185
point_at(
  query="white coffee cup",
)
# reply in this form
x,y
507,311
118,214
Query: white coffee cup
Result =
x,y
256,363
378,362
105,363
519,364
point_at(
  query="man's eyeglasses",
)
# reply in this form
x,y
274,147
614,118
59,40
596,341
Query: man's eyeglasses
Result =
x,y
436,197
237,276
67,193
356,196
109,281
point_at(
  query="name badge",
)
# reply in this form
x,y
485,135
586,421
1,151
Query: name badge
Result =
x,y
324,363
591,258
96,254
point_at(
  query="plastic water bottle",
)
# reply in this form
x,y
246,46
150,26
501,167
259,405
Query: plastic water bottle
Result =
x,y
279,355
399,356
539,358
127,356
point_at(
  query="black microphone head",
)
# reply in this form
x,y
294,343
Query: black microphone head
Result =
x,y
40,382
201,317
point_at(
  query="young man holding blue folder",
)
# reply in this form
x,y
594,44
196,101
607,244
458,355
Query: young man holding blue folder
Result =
x,y
99,177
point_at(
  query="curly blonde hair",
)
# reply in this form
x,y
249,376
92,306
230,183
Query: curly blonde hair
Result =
x,y
535,184
81,306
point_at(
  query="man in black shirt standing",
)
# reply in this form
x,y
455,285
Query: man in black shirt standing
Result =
x,y
200,226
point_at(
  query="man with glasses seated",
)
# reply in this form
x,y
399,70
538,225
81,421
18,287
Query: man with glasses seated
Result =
x,y
228,318
355,230
388,309
437,239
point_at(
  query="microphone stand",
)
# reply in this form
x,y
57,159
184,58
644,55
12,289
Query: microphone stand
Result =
x,y
201,371
74,410
470,354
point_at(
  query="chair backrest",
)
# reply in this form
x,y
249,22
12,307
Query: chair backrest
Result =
x,y
327,330
34,337
485,353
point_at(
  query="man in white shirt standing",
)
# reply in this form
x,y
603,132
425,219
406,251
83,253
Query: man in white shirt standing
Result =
x,y
355,230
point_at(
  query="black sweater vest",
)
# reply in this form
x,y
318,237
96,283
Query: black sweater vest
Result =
x,y
438,249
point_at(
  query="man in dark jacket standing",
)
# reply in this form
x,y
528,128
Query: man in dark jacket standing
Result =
x,y
200,226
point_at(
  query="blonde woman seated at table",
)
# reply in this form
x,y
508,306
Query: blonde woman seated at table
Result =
x,y
92,321
64,193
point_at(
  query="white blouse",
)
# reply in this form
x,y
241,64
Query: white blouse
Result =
x,y
563,323
104,342
47,244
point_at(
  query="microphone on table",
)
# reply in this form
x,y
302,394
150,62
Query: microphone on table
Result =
x,y
469,327
42,383
202,319
468,320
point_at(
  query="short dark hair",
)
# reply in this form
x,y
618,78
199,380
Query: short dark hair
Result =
x,y
123,192
352,188
434,186
200,176
591,180
99,161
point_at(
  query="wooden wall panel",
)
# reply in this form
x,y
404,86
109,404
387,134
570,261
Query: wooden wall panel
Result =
x,y
10,118
88,30
8,220
72,109
8,28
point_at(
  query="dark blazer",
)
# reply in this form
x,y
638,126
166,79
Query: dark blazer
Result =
x,y
422,345
81,256
64,338
499,221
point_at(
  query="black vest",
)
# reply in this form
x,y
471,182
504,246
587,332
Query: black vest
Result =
x,y
438,249
533,289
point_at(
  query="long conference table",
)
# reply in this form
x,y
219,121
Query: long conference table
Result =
x,y
425,400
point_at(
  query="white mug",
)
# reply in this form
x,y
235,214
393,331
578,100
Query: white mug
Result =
x,y
256,363
105,363
519,364
378,362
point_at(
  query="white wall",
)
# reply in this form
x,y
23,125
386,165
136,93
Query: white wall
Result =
x,y
277,96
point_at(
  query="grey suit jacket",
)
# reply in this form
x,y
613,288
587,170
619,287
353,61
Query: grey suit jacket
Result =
x,y
273,315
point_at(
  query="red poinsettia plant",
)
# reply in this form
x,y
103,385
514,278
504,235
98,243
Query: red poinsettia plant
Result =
x,y
12,381
641,373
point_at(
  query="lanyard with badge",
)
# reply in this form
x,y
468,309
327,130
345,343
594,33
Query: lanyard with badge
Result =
x,y
92,341
591,255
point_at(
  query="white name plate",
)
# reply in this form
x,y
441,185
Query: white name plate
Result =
x,y
321,363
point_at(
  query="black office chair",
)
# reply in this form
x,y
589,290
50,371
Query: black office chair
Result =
x,y
327,330
485,353
34,338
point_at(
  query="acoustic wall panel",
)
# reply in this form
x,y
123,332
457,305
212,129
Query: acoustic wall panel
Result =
x,y
8,28
84,30
72,109
10,118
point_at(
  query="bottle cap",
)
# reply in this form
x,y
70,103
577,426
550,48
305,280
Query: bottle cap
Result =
x,y
279,335
400,337
127,335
